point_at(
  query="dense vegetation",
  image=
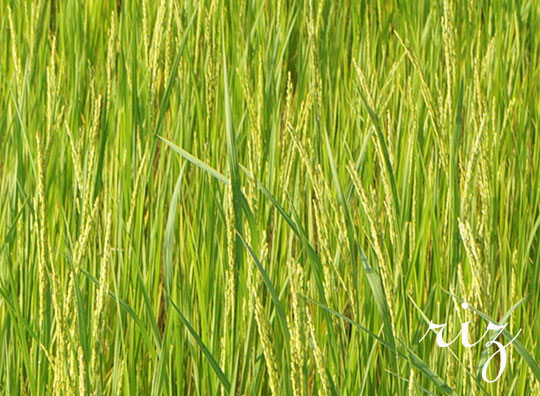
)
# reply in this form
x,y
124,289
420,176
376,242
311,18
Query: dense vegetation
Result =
x,y
267,197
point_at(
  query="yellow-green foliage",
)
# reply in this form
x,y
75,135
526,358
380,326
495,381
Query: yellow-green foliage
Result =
x,y
267,197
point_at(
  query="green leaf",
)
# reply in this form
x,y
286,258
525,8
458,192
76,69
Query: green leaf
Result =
x,y
195,161
213,363
271,290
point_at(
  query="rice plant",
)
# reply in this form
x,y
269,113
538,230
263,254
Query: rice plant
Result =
x,y
252,198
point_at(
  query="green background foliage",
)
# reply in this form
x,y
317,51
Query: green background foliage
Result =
x,y
267,197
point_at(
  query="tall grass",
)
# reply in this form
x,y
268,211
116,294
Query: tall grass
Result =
x,y
267,198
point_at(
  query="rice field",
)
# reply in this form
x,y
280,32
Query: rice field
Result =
x,y
256,198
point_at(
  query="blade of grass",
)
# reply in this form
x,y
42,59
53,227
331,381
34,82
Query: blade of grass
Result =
x,y
169,233
271,290
195,161
211,360
531,361
411,356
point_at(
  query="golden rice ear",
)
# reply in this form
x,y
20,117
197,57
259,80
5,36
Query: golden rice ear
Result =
x,y
14,51
43,240
101,294
111,58
318,355
296,320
